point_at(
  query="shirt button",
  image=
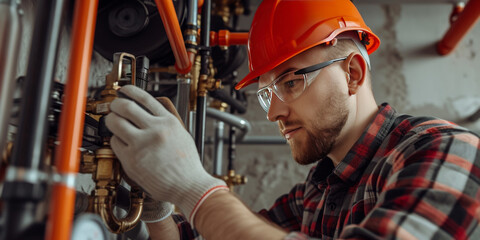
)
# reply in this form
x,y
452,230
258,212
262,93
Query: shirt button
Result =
x,y
333,206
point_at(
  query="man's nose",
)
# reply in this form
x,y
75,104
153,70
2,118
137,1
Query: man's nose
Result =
x,y
277,110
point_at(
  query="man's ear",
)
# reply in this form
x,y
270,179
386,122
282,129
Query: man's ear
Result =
x,y
356,71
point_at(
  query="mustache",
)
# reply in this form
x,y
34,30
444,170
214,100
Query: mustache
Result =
x,y
282,125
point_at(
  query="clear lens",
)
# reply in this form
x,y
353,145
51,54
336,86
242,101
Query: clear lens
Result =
x,y
264,97
287,87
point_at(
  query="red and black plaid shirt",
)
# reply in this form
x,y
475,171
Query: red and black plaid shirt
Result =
x,y
406,177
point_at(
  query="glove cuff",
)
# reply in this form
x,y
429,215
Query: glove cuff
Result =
x,y
196,193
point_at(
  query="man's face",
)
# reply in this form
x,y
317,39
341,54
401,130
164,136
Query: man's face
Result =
x,y
312,122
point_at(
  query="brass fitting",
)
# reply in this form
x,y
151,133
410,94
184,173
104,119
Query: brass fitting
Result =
x,y
106,172
103,164
109,94
217,104
223,8
7,153
233,179
103,204
194,82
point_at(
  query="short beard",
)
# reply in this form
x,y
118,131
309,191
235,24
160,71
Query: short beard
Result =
x,y
320,141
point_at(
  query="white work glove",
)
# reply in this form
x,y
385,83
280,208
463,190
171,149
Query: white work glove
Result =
x,y
158,153
155,211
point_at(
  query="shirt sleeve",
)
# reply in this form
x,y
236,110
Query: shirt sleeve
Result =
x,y
184,227
287,211
431,192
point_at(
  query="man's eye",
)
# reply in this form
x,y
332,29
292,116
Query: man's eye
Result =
x,y
292,83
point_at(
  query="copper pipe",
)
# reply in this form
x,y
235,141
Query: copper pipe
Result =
x,y
67,158
104,207
174,34
465,21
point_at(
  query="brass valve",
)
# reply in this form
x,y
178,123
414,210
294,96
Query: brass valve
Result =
x,y
104,166
101,107
233,179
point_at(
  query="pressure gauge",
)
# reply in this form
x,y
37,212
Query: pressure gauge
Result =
x,y
89,226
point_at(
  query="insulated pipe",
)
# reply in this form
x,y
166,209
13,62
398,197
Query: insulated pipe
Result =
x,y
183,61
10,33
240,123
460,27
67,156
25,183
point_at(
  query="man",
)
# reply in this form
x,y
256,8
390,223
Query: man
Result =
x,y
378,174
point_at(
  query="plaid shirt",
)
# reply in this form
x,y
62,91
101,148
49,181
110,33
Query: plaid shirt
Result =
x,y
406,177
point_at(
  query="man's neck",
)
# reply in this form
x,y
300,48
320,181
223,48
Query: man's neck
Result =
x,y
363,117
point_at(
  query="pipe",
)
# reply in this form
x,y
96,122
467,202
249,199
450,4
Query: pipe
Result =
x,y
390,2
183,62
458,29
254,140
227,38
202,82
67,156
243,125
10,33
200,125
25,184
183,97
217,163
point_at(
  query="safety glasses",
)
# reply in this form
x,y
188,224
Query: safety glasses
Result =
x,y
290,85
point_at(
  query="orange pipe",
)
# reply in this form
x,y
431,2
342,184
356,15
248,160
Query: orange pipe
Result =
x,y
67,158
174,34
227,38
458,29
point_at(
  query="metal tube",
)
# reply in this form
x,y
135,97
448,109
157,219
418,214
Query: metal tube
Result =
x,y
218,158
192,12
204,74
460,27
10,33
242,124
183,64
183,97
67,156
22,192
200,125
254,140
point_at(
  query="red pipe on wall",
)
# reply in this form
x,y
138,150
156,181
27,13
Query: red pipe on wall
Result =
x,y
174,34
227,38
67,156
460,27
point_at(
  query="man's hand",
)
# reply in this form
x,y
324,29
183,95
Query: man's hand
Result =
x,y
158,153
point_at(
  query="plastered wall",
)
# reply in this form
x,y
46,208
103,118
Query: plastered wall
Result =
x,y
407,73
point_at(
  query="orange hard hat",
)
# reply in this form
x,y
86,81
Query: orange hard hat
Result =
x,y
282,29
